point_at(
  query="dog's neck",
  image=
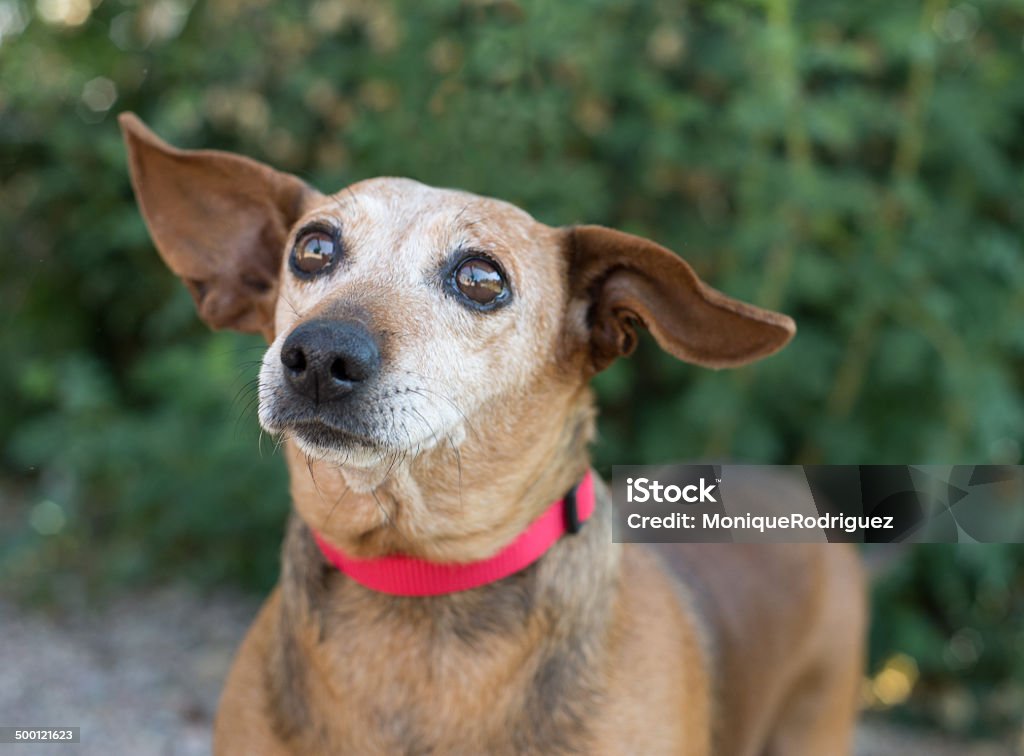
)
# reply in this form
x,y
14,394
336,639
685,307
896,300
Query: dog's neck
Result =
x,y
545,628
451,503
543,631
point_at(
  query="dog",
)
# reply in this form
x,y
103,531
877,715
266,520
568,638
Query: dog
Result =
x,y
427,374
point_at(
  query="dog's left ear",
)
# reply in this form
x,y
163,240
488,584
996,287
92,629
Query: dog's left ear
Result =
x,y
220,221
630,280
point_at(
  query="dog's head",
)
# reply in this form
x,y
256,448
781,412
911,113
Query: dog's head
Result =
x,y
402,317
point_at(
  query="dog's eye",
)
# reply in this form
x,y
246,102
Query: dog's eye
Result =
x,y
480,280
313,253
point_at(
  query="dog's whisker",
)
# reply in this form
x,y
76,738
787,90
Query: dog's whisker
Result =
x,y
250,384
426,424
334,506
440,395
458,463
291,305
389,522
312,475
250,406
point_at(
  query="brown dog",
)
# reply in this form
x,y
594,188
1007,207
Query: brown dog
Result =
x,y
430,352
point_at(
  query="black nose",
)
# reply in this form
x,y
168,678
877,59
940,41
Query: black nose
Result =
x,y
325,360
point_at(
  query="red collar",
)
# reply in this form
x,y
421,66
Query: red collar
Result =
x,y
408,576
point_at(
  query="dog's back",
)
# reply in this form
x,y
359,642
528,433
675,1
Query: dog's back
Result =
x,y
785,625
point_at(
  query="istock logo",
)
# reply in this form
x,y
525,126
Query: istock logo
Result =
x,y
641,490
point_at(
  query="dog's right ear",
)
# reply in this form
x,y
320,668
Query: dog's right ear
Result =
x,y
220,222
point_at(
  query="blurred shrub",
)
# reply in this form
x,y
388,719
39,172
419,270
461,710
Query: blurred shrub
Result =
x,y
947,638
857,165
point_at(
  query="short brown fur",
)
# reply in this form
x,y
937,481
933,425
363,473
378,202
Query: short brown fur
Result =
x,y
476,423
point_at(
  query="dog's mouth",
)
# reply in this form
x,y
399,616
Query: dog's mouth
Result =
x,y
320,436
327,436
358,438
323,441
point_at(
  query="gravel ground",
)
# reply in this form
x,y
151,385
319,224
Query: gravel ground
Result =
x,y
142,676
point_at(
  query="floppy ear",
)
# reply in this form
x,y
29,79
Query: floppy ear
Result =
x,y
630,280
220,221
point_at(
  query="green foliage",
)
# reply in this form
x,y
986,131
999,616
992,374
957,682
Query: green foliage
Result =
x,y
958,612
857,165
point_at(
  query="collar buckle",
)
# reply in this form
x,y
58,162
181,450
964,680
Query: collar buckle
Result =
x,y
573,523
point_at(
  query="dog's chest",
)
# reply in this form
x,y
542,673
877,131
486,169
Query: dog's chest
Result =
x,y
396,685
